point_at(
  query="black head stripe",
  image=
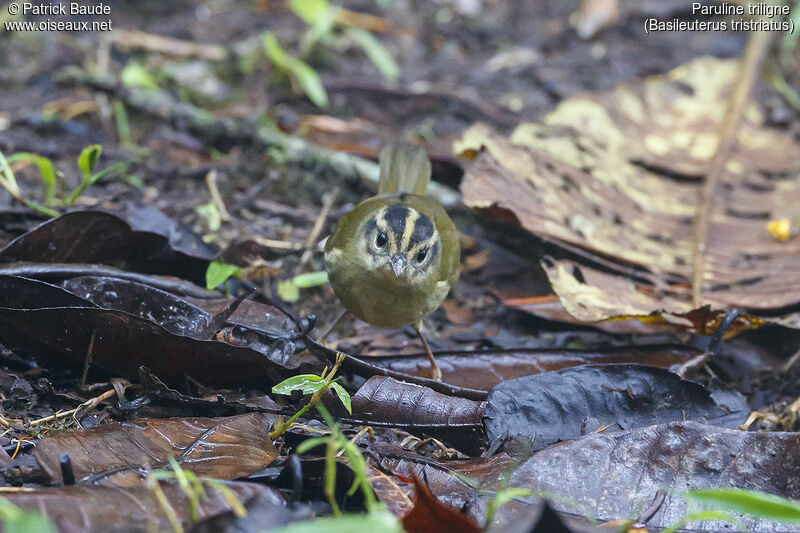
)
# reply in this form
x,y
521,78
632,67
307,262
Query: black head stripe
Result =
x,y
423,230
434,252
372,225
396,219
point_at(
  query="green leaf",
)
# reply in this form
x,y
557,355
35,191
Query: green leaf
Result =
x,y
318,30
309,280
310,10
88,159
308,444
344,397
376,52
506,495
310,82
382,521
46,170
135,75
274,51
307,383
30,522
230,498
288,291
210,213
218,272
758,504
702,516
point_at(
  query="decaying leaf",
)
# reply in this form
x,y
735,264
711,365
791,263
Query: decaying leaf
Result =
x,y
430,516
94,508
567,403
223,448
619,174
613,476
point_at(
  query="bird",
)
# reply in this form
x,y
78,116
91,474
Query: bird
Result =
x,y
392,259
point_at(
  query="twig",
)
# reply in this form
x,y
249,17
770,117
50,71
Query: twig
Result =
x,y
749,70
135,39
317,228
88,404
216,197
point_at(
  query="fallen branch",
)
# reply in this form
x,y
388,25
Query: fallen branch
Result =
x,y
204,124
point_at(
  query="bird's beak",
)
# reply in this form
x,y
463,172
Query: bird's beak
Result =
x,y
399,264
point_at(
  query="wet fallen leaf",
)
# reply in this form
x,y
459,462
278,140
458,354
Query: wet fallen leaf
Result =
x,y
612,476
51,323
430,516
223,448
484,369
97,237
386,401
101,509
619,175
567,403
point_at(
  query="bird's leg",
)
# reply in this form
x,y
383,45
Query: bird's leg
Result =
x,y
435,372
333,325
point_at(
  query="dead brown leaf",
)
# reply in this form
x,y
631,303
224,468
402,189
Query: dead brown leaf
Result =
x,y
618,174
223,448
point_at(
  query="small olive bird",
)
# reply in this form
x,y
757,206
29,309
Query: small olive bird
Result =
x,y
392,259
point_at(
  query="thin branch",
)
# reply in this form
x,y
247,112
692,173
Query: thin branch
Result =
x,y
317,228
749,70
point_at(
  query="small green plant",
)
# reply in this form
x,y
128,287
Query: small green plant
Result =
x,y
720,503
382,521
15,520
87,161
289,289
218,272
193,488
337,443
314,385
297,70
324,26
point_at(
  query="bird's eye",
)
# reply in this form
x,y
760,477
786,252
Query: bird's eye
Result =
x,y
380,240
421,255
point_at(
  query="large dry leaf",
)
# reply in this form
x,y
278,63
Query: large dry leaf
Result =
x,y
89,508
619,174
223,448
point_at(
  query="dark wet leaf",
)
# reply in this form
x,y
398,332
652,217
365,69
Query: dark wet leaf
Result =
x,y
455,482
431,516
124,342
484,369
96,237
568,403
102,508
384,401
612,476
223,448
165,309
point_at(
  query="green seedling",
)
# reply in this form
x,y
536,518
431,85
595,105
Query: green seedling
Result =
x,y
314,385
87,161
289,290
297,70
15,520
218,272
193,488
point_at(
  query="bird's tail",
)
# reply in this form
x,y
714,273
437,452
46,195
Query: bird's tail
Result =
x,y
404,168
